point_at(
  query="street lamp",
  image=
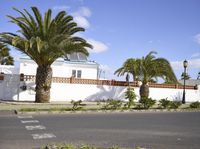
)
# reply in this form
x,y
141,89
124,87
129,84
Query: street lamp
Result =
x,y
185,64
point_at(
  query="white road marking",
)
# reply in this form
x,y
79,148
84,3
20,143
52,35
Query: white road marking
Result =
x,y
29,121
25,116
35,127
43,136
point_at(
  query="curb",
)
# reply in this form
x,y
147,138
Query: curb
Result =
x,y
8,112
107,111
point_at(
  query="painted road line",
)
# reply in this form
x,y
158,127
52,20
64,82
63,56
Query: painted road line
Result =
x,y
37,127
43,136
25,116
29,121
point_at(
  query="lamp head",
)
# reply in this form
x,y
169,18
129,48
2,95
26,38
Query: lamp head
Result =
x,y
185,63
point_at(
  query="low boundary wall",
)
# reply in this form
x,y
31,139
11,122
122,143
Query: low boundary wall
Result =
x,y
67,89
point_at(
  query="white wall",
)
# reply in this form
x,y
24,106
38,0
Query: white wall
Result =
x,y
68,92
10,90
9,87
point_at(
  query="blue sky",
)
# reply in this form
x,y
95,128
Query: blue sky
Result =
x,y
121,29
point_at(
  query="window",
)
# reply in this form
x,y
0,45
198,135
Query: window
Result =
x,y
73,73
76,73
79,74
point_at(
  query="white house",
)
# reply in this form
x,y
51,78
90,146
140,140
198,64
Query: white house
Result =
x,y
75,64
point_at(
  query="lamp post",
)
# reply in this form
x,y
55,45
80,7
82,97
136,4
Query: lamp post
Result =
x,y
185,64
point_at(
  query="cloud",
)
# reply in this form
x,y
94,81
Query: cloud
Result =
x,y
83,11
80,17
192,63
98,46
195,55
61,8
82,21
197,38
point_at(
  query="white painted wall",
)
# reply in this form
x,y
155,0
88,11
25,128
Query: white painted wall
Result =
x,y
68,92
10,90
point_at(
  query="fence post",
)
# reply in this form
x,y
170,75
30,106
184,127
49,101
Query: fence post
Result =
x,y
72,80
1,77
21,77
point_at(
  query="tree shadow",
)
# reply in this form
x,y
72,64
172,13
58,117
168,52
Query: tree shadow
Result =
x,y
108,92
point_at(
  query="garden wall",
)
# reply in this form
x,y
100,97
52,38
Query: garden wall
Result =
x,y
67,89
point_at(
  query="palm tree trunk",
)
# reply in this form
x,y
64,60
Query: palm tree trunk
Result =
x,y
144,90
43,84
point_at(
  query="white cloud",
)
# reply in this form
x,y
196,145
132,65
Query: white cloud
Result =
x,y
61,8
98,46
83,11
82,21
197,38
192,63
80,17
195,55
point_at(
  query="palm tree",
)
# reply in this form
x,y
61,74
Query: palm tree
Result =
x,y
150,68
5,58
45,39
129,66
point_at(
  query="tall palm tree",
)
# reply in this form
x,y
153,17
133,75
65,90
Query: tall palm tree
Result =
x,y
150,68
129,66
5,58
44,39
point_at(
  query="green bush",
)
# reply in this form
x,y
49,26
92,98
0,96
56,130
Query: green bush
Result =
x,y
146,103
195,104
175,104
77,105
130,95
112,104
164,103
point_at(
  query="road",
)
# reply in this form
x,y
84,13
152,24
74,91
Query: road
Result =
x,y
165,130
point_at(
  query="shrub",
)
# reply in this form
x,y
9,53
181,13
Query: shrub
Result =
x,y
77,105
195,104
164,103
175,104
146,103
112,104
130,95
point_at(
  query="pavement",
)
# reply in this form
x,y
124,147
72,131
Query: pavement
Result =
x,y
150,130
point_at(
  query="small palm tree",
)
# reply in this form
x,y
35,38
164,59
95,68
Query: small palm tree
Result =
x,y
129,66
149,69
44,39
5,58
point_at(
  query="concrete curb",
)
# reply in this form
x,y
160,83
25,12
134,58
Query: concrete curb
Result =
x,y
109,111
8,112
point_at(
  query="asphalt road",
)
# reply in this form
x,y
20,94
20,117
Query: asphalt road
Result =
x,y
166,130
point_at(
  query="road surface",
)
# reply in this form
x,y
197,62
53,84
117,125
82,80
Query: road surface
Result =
x,y
150,130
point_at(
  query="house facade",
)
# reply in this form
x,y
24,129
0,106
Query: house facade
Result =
x,y
73,66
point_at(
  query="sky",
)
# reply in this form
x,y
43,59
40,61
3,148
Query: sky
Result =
x,y
122,29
